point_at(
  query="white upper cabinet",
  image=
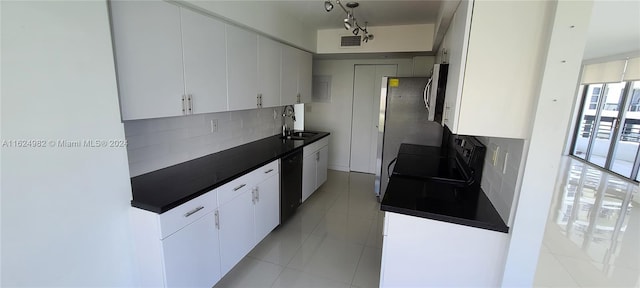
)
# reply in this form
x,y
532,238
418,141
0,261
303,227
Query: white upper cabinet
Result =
x,y
458,36
148,50
289,81
242,68
296,76
304,76
269,55
173,61
204,62
495,55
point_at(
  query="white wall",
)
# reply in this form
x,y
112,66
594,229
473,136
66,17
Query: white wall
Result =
x,y
398,38
568,30
158,143
335,117
262,16
64,210
422,66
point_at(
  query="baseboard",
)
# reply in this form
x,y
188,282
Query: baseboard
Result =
x,y
339,168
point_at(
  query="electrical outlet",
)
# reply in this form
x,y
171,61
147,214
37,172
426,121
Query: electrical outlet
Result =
x,y
214,125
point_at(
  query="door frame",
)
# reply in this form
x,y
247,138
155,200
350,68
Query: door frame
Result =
x,y
376,115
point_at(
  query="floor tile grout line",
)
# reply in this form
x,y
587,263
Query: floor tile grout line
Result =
x,y
357,265
566,270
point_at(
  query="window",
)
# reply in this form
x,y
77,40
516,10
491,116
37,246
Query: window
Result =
x,y
607,133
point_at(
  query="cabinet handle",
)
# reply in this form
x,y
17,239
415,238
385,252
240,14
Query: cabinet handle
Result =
x,y
298,98
184,108
253,196
217,217
190,97
268,171
317,156
257,194
239,187
194,211
258,100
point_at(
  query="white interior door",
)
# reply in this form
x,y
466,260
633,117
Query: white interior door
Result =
x,y
367,83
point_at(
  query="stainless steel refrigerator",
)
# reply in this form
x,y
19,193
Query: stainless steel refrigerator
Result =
x,y
403,118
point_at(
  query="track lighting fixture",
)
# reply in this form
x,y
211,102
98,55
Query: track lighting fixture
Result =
x,y
328,6
350,20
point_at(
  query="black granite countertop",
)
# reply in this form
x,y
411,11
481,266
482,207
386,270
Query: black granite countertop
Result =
x,y
408,194
163,189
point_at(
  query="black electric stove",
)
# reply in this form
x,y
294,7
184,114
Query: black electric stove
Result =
x,y
459,163
442,183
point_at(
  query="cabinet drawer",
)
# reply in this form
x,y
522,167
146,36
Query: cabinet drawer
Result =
x,y
315,146
235,188
181,216
266,171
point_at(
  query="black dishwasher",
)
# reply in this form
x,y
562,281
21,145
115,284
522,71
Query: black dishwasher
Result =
x,y
290,184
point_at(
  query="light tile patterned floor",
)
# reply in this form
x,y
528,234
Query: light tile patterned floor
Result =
x,y
334,240
592,237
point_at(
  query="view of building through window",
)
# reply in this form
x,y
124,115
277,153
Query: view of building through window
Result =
x,y
608,130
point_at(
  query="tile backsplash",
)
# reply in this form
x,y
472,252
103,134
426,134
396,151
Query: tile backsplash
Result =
x,y
158,143
500,177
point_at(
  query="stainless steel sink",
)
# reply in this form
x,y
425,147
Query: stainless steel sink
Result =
x,y
299,135
304,134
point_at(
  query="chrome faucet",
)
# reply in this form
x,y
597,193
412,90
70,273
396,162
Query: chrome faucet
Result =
x,y
288,112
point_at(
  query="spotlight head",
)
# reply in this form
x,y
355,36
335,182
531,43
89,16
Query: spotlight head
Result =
x,y
370,36
328,6
347,25
356,31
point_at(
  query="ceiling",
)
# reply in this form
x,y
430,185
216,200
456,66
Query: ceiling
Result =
x,y
614,29
377,13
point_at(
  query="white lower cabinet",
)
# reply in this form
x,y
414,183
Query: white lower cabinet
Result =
x,y
236,228
249,210
420,252
198,242
178,248
308,175
192,256
267,207
314,166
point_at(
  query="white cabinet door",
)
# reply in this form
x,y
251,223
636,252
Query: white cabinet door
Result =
x,y
309,167
459,42
191,255
242,68
236,229
269,53
148,54
203,41
499,111
289,81
304,76
323,158
267,207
